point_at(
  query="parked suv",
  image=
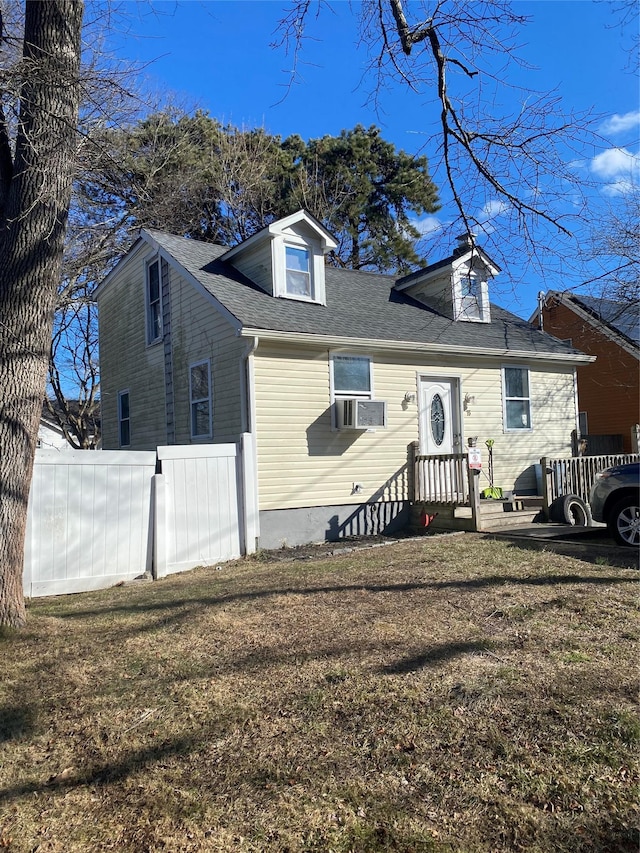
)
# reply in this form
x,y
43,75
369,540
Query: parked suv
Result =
x,y
615,499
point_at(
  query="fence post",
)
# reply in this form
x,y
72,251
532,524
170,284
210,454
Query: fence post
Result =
x,y
474,495
413,451
635,438
546,487
159,492
250,519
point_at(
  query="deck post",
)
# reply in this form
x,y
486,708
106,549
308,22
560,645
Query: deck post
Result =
x,y
547,488
474,496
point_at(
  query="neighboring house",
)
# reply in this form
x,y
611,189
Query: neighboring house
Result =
x,y
336,373
50,434
609,388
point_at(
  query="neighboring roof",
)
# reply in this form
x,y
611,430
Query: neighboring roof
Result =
x,y
74,408
622,317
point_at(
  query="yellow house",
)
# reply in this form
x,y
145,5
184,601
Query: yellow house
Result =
x,y
339,375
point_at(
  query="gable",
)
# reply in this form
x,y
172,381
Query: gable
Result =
x,y
569,316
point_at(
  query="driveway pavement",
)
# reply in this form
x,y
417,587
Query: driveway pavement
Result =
x,y
588,543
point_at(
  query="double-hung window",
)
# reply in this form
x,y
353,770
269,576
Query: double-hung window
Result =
x,y
352,376
200,399
153,302
124,419
517,399
352,392
298,272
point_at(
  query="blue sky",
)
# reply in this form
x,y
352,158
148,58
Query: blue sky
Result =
x,y
219,56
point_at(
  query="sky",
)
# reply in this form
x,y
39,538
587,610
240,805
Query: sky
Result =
x,y
221,56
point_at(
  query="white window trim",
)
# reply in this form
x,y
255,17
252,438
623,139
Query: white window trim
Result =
x,y
209,399
147,303
481,298
316,269
121,420
341,395
345,395
505,428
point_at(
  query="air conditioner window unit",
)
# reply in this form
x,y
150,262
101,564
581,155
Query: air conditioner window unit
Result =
x,y
353,413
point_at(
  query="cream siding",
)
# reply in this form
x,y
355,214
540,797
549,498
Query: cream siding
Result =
x,y
256,264
303,462
126,362
199,332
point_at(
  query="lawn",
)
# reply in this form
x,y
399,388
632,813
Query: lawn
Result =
x,y
444,694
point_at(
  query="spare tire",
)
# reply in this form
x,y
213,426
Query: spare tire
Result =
x,y
570,509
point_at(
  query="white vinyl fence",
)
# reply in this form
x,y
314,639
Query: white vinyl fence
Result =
x,y
89,522
100,517
200,503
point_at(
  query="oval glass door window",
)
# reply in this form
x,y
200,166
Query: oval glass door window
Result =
x,y
437,419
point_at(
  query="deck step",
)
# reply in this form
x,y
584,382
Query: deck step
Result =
x,y
519,518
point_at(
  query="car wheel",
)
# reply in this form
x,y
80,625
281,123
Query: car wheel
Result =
x,y
624,522
570,509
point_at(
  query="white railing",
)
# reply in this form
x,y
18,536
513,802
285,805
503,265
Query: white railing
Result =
x,y
442,479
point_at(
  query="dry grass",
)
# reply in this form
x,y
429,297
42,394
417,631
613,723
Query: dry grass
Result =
x,y
451,694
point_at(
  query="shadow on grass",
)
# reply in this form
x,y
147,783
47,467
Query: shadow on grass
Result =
x,y
16,721
433,655
106,773
186,604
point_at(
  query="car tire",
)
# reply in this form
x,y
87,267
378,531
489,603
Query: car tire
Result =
x,y
624,522
570,509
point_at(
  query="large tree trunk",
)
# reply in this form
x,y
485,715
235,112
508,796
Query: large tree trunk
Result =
x,y
35,190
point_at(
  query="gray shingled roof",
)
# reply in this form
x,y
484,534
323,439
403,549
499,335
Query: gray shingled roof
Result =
x,y
360,305
622,317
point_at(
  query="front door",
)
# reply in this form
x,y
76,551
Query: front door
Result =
x,y
439,416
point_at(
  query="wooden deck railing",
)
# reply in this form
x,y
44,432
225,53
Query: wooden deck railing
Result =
x,y
577,475
442,479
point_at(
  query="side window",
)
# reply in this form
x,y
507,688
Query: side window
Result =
x,y
351,376
153,302
200,399
298,272
517,399
124,419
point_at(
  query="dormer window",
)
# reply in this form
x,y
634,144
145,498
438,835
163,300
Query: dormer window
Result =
x,y
298,272
470,296
458,286
286,259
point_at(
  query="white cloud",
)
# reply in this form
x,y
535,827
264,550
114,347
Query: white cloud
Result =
x,y
492,209
621,123
428,226
618,168
489,211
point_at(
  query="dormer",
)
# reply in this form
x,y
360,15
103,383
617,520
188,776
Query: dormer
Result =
x,y
286,259
458,286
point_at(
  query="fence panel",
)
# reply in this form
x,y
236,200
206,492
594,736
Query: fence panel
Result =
x,y
577,475
202,511
89,522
